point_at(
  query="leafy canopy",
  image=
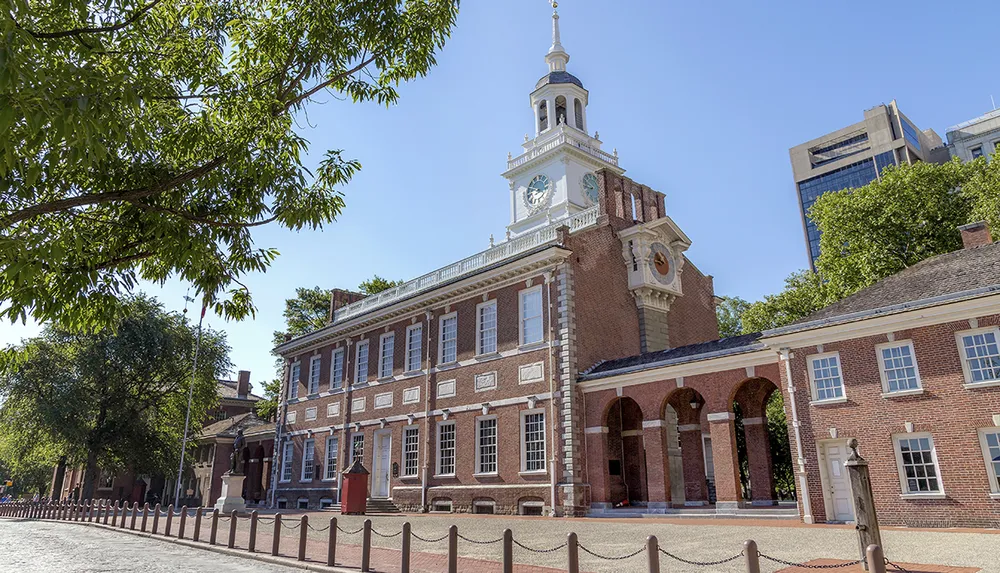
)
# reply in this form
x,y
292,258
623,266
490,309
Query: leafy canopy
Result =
x,y
144,139
377,284
728,312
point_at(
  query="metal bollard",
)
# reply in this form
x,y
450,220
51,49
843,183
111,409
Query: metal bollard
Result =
x,y
508,551
183,520
124,515
232,529
366,546
303,535
156,517
572,554
145,516
751,556
170,518
404,566
215,527
107,512
653,552
252,544
876,559
114,516
197,525
331,547
453,549
276,537
90,511
135,514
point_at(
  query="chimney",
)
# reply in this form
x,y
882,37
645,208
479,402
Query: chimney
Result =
x,y
975,235
243,386
340,297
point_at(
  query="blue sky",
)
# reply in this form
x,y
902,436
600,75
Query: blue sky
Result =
x,y
701,99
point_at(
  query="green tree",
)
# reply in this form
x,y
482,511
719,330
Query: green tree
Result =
x,y
144,139
804,293
307,311
377,284
982,187
267,408
112,399
783,473
728,313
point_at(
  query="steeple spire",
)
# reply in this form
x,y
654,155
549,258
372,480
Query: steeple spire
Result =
x,y
557,56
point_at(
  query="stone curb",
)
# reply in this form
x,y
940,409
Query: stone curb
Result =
x,y
222,549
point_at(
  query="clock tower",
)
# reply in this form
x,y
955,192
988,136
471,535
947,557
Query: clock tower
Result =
x,y
554,176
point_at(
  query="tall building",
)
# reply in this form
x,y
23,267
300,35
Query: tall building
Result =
x,y
975,138
855,156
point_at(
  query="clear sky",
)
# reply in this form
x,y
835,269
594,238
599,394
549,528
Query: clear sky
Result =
x,y
701,99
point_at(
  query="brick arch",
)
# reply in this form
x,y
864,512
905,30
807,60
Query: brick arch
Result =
x,y
756,460
752,395
680,400
626,468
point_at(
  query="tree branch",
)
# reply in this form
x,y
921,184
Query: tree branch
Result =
x,y
327,83
90,30
201,220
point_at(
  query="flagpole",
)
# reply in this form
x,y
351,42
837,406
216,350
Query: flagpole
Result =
x,y
187,416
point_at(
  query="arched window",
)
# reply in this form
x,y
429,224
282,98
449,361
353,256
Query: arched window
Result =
x,y
560,110
578,112
543,116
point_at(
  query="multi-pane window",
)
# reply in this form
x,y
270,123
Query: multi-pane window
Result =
x,y
486,324
825,373
411,445
337,369
977,152
533,441
293,381
357,447
449,338
899,367
386,344
361,364
531,316
286,462
314,364
981,356
414,346
991,451
486,445
330,469
917,465
446,448
308,459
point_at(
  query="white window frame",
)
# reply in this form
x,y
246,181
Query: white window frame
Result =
x,y
521,319
335,450
454,449
991,473
524,445
496,446
287,458
966,371
480,351
354,441
384,356
884,375
414,351
361,374
294,377
442,359
813,391
311,459
315,365
337,369
903,488
416,453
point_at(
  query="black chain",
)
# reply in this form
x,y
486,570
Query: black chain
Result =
x,y
896,567
318,529
223,518
533,550
701,563
442,538
477,542
608,557
400,532
342,530
291,527
806,566
265,520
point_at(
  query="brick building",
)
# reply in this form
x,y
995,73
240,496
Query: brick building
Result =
x,y
589,342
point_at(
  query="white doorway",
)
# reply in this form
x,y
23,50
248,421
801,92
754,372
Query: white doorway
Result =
x,y
381,469
836,483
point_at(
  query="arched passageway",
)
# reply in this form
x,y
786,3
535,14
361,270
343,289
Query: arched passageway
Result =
x,y
761,443
626,467
682,413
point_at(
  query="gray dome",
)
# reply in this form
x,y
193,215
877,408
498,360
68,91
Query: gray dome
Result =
x,y
558,78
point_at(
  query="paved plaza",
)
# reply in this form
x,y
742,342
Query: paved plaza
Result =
x,y
48,546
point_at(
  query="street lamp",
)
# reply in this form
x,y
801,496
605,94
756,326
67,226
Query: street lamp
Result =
x,y
187,416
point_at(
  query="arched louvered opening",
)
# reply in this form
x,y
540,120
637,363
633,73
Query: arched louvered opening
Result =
x,y
560,110
543,116
578,114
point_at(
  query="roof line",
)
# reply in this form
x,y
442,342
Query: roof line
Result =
x,y
679,360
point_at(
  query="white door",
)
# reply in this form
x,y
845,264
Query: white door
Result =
x,y
381,470
838,484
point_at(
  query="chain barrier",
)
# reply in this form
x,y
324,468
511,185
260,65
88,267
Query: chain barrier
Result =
x,y
608,557
346,532
701,563
289,526
533,550
319,529
384,536
442,538
477,542
265,520
807,566
896,567
224,518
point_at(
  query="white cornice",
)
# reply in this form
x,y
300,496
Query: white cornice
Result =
x,y
668,372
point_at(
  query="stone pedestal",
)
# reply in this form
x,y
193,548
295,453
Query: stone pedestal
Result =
x,y
232,494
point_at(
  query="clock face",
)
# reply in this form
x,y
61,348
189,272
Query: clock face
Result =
x,y
661,262
537,189
590,187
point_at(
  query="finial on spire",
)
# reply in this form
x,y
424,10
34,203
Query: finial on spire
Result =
x,y
557,56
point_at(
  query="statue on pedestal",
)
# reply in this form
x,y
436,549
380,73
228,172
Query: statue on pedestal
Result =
x,y
236,461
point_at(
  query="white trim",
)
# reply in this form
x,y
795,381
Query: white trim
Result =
x,y
496,446
496,327
596,430
359,404
720,416
903,488
481,381
521,318
882,373
523,434
312,461
441,319
310,414
411,390
529,373
291,416
652,424
454,449
391,337
659,374
318,361
966,372
333,409
334,384
384,405
419,349
991,476
445,383
813,392
357,361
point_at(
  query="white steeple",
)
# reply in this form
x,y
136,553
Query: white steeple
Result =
x,y
557,58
